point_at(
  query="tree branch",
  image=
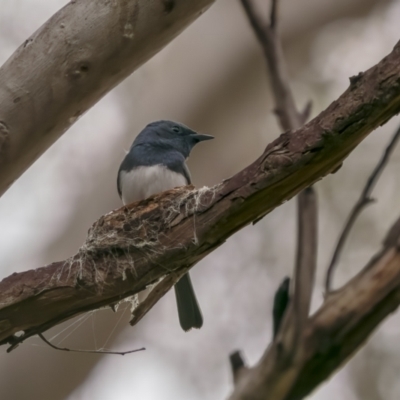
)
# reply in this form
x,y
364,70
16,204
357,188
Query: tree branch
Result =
x,y
284,371
306,260
268,36
281,301
364,200
136,245
332,335
74,59
290,119
238,365
155,294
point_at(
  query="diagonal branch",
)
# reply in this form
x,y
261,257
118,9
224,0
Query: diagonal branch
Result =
x,y
337,330
81,53
364,200
134,246
155,295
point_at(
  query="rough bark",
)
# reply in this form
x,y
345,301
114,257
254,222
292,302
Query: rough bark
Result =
x,y
135,245
332,335
73,60
305,352
291,369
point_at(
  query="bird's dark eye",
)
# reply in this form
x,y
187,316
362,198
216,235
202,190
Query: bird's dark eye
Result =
x,y
176,129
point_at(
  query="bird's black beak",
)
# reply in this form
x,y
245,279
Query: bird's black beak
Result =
x,y
200,137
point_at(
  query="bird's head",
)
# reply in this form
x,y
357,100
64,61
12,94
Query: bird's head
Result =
x,y
170,135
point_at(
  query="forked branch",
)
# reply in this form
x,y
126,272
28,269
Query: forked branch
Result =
x,y
338,329
290,119
287,369
136,245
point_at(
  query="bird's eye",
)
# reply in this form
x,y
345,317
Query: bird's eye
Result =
x,y
176,129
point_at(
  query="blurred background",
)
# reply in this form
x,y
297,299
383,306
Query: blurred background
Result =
x,y
212,78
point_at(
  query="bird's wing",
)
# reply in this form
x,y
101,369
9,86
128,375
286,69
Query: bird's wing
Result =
x,y
176,162
130,161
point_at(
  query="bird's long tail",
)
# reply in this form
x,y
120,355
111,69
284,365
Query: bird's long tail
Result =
x,y
188,309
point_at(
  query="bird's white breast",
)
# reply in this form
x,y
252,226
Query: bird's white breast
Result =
x,y
142,182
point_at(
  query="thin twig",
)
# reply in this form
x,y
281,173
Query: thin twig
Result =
x,y
156,293
273,15
364,200
306,258
281,302
120,353
255,20
268,36
290,119
238,365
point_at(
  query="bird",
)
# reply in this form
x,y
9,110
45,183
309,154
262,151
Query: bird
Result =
x,y
156,162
